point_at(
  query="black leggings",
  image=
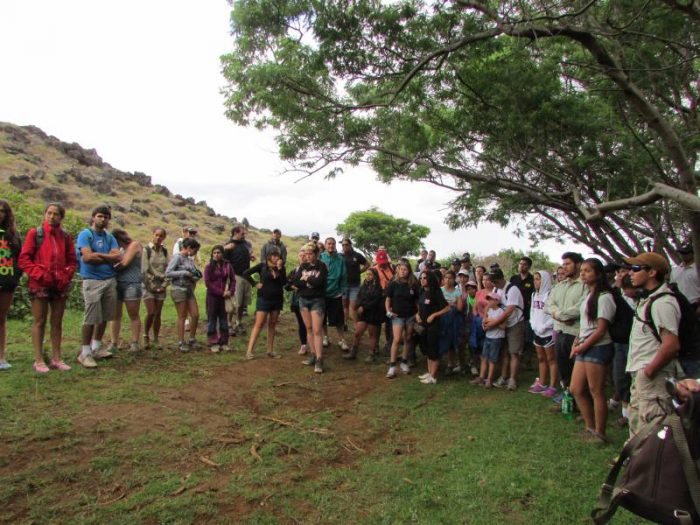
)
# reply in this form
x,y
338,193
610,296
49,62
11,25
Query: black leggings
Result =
x,y
300,324
565,364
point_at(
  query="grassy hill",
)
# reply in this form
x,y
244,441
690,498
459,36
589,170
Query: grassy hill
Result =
x,y
37,168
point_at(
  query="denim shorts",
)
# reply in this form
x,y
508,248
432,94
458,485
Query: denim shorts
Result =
x,y
599,354
129,291
181,294
491,350
403,321
314,304
351,293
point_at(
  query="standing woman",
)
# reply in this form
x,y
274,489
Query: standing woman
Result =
x,y
543,328
270,299
593,349
10,247
153,265
370,315
310,282
48,258
183,275
129,290
431,305
401,306
479,273
452,325
295,308
221,284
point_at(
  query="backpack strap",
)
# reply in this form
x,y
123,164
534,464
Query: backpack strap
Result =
x,y
39,239
649,321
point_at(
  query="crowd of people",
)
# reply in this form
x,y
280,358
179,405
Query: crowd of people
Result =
x,y
582,322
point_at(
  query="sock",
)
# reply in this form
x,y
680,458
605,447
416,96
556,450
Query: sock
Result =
x,y
625,412
85,350
95,345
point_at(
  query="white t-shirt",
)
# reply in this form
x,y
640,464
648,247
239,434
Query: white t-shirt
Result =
x,y
495,333
606,310
686,277
513,297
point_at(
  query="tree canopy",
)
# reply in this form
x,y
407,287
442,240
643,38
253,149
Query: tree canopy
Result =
x,y
575,118
373,228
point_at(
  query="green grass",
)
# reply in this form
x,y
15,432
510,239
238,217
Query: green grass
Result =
x,y
171,440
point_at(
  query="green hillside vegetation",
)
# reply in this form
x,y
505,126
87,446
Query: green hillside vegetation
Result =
x,y
36,168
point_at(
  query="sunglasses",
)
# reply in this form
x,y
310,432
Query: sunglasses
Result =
x,y
639,267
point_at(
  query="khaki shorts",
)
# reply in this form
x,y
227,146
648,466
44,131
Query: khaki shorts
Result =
x,y
151,295
244,292
515,338
100,298
181,294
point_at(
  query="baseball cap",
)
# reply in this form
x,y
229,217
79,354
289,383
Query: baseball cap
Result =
x,y
464,272
382,257
456,261
496,273
653,260
315,236
466,257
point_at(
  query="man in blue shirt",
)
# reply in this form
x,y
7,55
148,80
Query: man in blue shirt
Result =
x,y
98,252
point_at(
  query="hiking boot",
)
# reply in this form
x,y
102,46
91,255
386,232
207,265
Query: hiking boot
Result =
x,y
326,343
309,361
352,354
318,367
87,361
405,369
391,373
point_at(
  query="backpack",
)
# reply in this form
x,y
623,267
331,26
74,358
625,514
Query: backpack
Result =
x,y
661,479
621,325
688,330
40,234
505,296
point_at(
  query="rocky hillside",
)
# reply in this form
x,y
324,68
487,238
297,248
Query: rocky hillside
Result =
x,y
46,169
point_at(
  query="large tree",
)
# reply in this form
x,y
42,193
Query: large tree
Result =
x,y
373,228
578,116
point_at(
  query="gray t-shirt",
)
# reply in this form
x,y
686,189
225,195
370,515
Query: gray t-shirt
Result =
x,y
606,310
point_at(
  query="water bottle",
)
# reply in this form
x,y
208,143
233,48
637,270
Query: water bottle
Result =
x,y
567,405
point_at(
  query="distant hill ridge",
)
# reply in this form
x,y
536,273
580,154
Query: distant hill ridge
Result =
x,y
45,169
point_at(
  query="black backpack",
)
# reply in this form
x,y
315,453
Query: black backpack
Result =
x,y
688,329
621,325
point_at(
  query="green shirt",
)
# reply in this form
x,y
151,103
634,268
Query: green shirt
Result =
x,y
564,303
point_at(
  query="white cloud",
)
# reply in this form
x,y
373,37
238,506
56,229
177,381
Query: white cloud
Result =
x,y
139,81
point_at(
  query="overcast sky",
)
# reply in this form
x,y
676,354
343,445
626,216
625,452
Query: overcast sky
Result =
x,y
140,82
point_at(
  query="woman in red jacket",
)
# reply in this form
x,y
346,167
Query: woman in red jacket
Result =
x,y
48,258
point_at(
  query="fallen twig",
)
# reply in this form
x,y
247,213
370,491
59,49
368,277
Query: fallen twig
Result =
x,y
178,491
209,462
294,383
254,452
123,494
354,445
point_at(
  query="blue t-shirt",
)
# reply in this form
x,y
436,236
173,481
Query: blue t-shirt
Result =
x,y
103,242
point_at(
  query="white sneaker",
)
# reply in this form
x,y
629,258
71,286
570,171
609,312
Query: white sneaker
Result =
x,y
475,372
214,349
391,374
405,369
430,380
302,350
457,369
326,343
343,345
501,382
512,385
423,376
87,361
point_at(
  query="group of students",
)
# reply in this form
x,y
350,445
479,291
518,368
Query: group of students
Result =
x,y
470,315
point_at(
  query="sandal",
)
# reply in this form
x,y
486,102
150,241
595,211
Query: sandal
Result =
x,y
40,368
273,355
249,356
59,365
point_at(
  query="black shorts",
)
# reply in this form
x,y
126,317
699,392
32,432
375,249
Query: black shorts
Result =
x,y
429,341
334,312
268,305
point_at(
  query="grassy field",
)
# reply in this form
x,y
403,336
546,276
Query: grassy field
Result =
x,y
161,437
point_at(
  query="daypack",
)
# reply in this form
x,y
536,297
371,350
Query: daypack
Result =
x,y
621,326
688,330
661,479
40,234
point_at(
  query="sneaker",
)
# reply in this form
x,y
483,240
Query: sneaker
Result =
x,y
302,350
549,392
512,385
613,404
4,365
214,349
102,353
156,344
87,361
59,365
309,361
134,347
476,381
457,370
249,356
430,380
500,382
224,348
193,344
370,359
343,345
405,369
318,367
391,373
474,371
273,355
183,347
146,341
423,376
537,388
40,368
326,343
240,329
558,397
448,370
487,384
